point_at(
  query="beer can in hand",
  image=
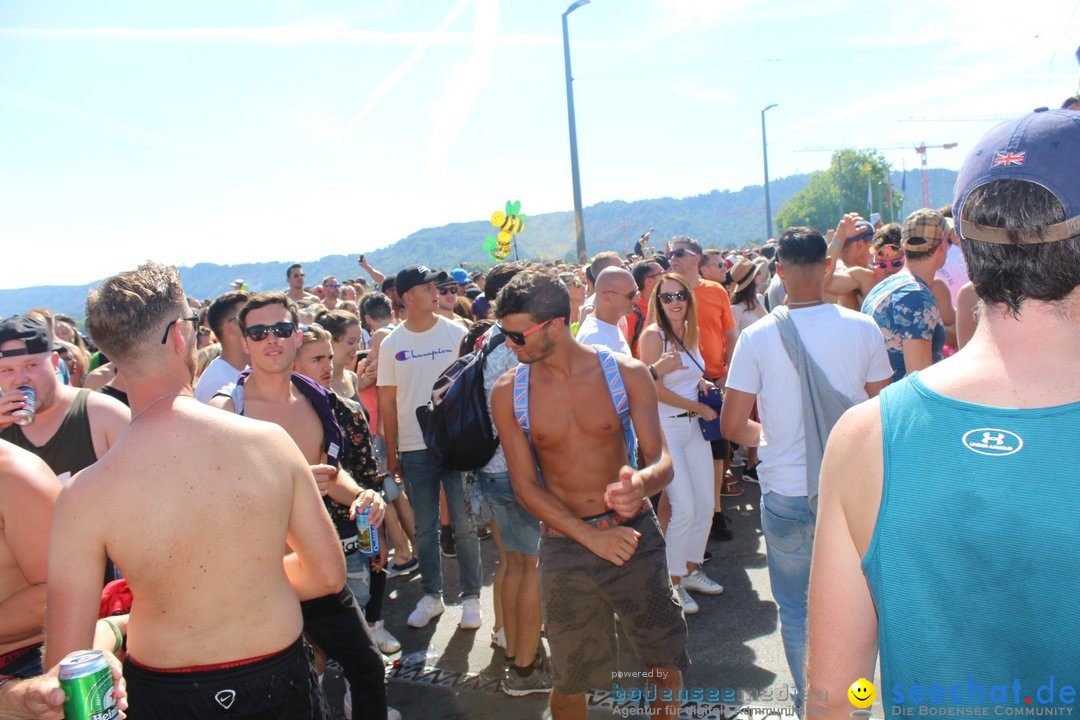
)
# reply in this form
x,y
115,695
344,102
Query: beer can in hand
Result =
x,y
87,682
26,414
367,536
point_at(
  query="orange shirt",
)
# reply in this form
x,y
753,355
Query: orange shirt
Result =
x,y
632,324
714,317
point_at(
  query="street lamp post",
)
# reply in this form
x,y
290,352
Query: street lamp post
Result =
x,y
579,220
765,153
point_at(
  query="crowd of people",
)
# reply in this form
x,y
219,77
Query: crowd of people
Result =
x,y
180,485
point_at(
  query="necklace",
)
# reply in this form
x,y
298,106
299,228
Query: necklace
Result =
x,y
806,303
155,401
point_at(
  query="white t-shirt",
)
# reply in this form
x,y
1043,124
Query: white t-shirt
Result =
x,y
411,362
849,349
745,317
217,375
955,272
602,334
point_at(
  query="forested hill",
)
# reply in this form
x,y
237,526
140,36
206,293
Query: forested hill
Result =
x,y
719,219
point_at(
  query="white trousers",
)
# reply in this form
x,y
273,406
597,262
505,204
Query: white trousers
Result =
x,y
690,493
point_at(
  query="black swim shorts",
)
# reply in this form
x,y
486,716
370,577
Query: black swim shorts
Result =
x,y
581,593
282,686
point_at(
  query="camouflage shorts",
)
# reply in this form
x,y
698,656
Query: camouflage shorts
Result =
x,y
580,594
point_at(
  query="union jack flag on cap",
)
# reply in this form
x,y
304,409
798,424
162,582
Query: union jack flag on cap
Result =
x,y
1009,158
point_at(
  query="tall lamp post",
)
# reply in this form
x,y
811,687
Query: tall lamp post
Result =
x,y
579,220
765,153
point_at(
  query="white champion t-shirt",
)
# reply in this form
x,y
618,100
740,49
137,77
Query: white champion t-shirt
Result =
x,y
849,349
411,362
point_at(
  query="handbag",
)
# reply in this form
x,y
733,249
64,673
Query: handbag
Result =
x,y
710,429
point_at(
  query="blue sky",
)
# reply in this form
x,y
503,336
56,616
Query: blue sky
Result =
x,y
276,130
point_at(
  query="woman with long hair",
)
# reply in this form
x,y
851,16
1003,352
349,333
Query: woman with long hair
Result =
x,y
747,304
690,493
345,334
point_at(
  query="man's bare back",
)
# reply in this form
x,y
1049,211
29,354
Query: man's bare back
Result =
x,y
28,491
199,507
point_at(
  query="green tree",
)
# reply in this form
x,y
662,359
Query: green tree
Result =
x,y
842,189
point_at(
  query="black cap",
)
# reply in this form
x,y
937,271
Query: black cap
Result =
x,y
415,275
30,330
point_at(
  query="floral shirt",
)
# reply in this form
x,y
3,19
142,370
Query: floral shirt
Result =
x,y
904,308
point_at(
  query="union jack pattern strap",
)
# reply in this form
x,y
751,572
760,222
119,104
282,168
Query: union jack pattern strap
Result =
x,y
521,396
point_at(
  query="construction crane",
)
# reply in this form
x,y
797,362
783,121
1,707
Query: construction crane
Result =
x,y
921,149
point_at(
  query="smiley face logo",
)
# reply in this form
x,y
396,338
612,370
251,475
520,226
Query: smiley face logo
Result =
x,y
862,693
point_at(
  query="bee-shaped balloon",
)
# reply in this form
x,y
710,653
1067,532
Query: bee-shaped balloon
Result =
x,y
510,223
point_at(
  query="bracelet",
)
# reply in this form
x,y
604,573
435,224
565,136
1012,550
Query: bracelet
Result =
x,y
652,371
119,635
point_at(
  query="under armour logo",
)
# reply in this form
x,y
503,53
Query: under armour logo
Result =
x,y
225,698
998,439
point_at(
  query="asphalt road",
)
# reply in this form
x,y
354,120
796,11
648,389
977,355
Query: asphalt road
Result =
x,y
734,644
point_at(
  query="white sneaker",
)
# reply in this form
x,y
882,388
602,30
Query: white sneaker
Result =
x,y
429,607
702,583
386,642
498,638
689,607
471,618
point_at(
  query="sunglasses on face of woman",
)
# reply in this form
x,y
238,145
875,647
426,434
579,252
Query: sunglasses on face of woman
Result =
x,y
670,297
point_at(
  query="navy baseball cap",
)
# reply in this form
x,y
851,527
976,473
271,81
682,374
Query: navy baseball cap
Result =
x,y
863,231
1040,147
415,275
33,332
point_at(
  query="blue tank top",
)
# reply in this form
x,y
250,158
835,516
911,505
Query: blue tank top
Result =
x,y
973,561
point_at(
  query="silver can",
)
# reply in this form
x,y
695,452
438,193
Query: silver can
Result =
x,y
26,414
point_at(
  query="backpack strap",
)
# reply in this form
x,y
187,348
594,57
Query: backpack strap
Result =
x,y
521,396
619,398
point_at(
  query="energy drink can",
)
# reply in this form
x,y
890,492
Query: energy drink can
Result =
x,y
26,414
367,536
87,682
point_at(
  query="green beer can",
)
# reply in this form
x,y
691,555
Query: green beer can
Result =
x,y
87,682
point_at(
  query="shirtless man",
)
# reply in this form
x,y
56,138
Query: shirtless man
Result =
x,y
848,277
273,394
73,427
195,506
600,547
295,277
28,491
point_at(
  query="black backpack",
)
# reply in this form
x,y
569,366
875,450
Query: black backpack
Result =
x,y
456,422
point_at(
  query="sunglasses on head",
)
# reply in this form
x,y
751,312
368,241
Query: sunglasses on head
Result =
x,y
680,252
888,263
260,332
448,290
678,296
518,338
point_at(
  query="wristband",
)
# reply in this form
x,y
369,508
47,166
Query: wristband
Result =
x,y
119,635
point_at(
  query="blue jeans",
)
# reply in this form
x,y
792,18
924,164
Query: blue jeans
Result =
x,y
788,526
358,577
422,479
519,529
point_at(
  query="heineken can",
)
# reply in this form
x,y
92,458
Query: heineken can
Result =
x,y
367,536
87,682
26,414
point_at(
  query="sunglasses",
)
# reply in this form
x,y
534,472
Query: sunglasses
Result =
x,y
518,338
259,333
194,319
449,290
681,252
680,296
333,285
888,263
631,296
